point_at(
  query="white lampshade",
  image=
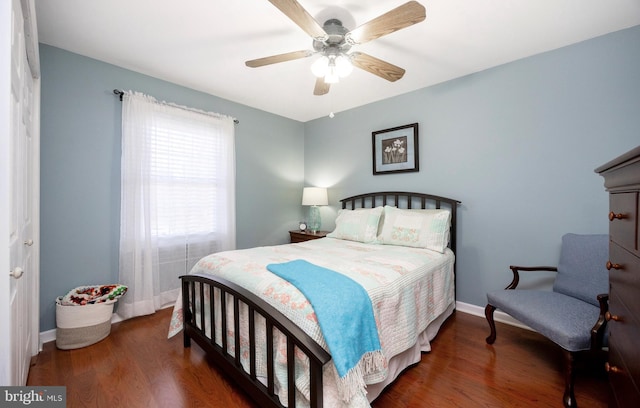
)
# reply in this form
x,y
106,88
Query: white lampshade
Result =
x,y
332,76
314,196
320,67
343,66
332,67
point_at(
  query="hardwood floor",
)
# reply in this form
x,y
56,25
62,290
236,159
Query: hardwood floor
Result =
x,y
137,366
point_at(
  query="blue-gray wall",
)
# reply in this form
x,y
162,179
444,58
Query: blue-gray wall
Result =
x,y
517,144
80,170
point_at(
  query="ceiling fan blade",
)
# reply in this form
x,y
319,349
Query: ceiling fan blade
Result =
x,y
377,66
321,88
401,17
297,13
274,59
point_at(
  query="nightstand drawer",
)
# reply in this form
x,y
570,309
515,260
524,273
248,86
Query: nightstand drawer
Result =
x,y
301,236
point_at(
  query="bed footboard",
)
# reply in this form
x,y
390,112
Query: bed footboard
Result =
x,y
196,288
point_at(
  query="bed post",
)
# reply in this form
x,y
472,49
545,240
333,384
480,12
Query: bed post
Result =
x,y
186,313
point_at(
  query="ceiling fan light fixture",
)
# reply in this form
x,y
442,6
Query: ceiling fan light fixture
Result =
x,y
332,67
332,76
320,67
343,65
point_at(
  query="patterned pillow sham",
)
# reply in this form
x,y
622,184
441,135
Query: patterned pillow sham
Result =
x,y
416,228
359,225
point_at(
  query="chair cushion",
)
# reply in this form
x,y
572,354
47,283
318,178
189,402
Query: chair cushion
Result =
x,y
582,271
565,320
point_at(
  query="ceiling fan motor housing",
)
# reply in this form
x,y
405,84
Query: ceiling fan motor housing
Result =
x,y
335,40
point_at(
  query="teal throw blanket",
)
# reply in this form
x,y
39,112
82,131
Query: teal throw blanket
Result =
x,y
344,313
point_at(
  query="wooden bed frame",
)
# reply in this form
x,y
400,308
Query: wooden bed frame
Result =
x,y
195,286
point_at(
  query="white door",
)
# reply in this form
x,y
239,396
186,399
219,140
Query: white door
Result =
x,y
23,191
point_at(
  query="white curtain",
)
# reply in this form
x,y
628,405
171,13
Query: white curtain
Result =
x,y
177,197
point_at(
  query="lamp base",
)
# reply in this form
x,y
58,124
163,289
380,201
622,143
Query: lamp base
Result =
x,y
314,219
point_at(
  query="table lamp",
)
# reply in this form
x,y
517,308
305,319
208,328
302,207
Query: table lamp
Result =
x,y
314,196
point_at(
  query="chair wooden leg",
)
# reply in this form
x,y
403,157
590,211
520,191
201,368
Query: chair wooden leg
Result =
x,y
488,312
569,398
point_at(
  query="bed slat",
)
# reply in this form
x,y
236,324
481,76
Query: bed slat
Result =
x,y
223,319
212,312
291,373
236,330
270,381
252,343
201,293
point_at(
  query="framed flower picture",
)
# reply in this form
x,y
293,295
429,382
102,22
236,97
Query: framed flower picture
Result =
x,y
395,150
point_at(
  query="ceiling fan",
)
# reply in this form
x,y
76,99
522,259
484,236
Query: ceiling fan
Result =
x,y
334,42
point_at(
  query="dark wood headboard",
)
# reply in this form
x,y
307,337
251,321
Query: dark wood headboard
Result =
x,y
406,200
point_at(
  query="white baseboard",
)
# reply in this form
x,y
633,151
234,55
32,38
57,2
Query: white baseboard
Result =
x,y
498,316
50,335
47,336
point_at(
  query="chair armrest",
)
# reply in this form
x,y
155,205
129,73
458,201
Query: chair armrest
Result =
x,y
516,275
597,332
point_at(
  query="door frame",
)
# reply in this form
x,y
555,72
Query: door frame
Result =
x,y
33,58
31,48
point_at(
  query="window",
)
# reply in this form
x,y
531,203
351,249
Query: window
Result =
x,y
186,178
177,197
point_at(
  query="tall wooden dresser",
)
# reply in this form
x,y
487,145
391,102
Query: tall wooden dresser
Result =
x,y
622,181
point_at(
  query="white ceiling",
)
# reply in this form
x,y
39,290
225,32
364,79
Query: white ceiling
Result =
x,y
203,44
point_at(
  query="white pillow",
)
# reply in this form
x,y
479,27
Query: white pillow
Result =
x,y
359,225
416,228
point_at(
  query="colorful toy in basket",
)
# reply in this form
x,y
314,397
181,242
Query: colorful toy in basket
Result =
x,y
87,295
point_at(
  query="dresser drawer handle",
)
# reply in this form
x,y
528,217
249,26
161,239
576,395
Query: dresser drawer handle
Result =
x,y
611,368
614,216
613,265
608,316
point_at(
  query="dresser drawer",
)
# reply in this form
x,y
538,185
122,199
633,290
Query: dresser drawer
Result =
x,y
624,277
624,332
625,393
623,217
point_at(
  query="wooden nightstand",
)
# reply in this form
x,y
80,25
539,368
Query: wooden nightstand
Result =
x,y
301,236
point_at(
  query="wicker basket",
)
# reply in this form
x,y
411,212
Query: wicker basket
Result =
x,y
81,326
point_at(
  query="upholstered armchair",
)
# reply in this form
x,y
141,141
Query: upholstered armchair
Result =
x,y
572,315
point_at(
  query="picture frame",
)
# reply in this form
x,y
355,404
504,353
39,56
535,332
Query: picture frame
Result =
x,y
395,150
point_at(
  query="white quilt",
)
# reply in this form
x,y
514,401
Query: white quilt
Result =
x,y
409,288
